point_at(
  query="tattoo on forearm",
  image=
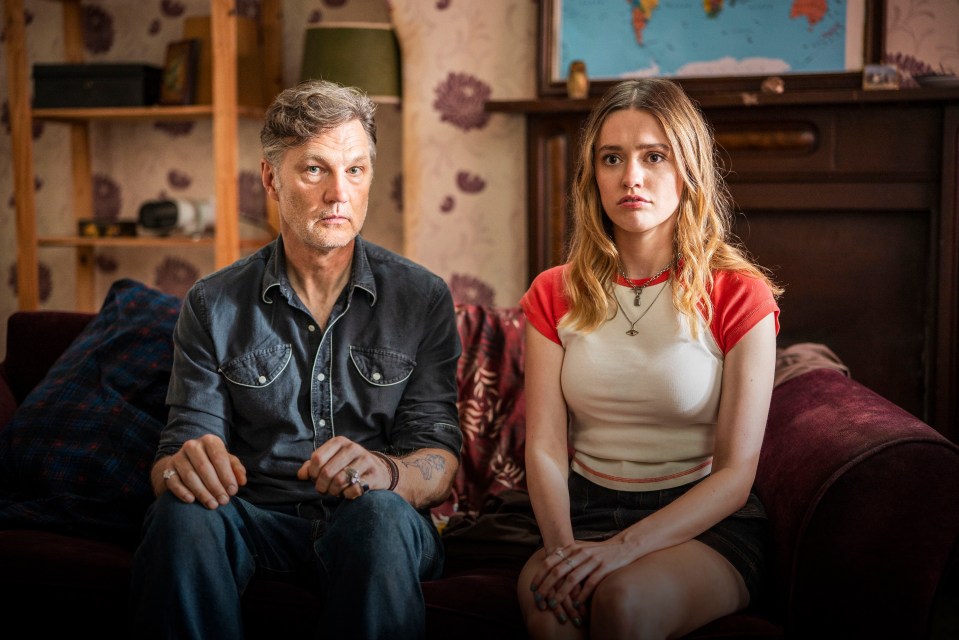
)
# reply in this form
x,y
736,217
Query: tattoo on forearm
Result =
x,y
426,464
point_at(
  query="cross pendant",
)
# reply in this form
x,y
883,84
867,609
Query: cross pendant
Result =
x,y
639,294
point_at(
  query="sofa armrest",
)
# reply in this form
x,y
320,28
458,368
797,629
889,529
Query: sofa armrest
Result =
x,y
35,339
862,502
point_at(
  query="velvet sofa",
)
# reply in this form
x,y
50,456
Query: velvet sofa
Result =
x,y
862,496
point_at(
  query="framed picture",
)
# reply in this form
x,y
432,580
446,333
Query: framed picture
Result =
x,y
179,72
712,46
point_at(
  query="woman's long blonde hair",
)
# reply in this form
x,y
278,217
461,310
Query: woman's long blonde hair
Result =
x,y
702,242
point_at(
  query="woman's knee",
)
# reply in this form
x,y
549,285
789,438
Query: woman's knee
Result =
x,y
629,606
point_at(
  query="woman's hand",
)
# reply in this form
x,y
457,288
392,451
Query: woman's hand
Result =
x,y
568,575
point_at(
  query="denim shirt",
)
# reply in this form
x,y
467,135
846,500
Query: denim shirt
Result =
x,y
252,367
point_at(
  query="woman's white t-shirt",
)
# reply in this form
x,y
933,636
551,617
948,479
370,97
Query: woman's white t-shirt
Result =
x,y
643,407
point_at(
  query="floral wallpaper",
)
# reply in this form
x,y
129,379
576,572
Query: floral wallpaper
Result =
x,y
450,180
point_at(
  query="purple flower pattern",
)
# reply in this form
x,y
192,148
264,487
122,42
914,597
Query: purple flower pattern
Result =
x,y
460,101
252,205
396,192
107,199
106,264
178,180
46,281
448,204
175,276
469,183
98,31
171,8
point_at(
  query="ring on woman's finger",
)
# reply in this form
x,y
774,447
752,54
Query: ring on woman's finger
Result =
x,y
560,553
569,563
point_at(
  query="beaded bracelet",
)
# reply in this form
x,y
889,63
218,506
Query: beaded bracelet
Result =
x,y
394,470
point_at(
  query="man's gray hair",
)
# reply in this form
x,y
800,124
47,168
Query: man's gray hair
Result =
x,y
311,108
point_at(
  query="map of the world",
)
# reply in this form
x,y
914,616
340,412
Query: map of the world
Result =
x,y
689,38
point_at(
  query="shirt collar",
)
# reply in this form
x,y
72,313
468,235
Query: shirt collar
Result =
x,y
275,273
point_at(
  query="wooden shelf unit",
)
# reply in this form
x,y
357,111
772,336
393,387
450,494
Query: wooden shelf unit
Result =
x,y
224,113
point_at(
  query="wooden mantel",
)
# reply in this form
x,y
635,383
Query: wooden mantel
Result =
x,y
850,196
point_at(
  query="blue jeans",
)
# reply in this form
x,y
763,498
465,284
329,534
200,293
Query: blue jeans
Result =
x,y
367,558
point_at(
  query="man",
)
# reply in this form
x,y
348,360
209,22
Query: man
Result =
x,y
312,406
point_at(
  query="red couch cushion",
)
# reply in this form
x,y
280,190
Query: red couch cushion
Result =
x,y
492,408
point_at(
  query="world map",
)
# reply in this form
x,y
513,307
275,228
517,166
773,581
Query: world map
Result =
x,y
689,38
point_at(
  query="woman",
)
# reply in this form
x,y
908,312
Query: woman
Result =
x,y
650,356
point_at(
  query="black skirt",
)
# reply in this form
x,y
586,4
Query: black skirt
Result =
x,y
599,513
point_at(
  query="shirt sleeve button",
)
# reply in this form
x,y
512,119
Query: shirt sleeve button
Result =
x,y
262,379
377,376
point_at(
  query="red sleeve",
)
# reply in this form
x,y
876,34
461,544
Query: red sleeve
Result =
x,y
544,303
739,303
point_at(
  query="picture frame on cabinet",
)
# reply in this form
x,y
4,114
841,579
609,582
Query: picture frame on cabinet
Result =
x,y
725,68
178,83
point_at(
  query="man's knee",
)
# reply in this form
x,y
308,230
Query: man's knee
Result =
x,y
381,527
191,522
378,511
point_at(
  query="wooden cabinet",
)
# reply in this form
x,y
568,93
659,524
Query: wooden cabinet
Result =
x,y
224,113
850,197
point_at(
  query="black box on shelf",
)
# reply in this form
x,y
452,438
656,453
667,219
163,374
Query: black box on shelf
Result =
x,y
95,84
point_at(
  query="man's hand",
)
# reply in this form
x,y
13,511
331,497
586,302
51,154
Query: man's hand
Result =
x,y
337,461
201,470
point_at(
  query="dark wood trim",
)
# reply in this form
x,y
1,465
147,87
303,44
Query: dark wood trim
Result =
x,y
946,373
558,105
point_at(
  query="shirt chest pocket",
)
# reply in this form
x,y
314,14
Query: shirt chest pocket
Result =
x,y
381,367
258,368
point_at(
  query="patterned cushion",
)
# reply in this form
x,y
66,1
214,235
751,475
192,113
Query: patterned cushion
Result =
x,y
492,408
76,455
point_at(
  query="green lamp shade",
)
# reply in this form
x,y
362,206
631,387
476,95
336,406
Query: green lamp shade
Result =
x,y
355,54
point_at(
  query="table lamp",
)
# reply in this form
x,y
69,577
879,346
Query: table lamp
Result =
x,y
357,54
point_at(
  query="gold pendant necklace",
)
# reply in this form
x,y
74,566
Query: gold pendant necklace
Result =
x,y
632,324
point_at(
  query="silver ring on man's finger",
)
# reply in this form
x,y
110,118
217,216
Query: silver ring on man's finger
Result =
x,y
168,473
